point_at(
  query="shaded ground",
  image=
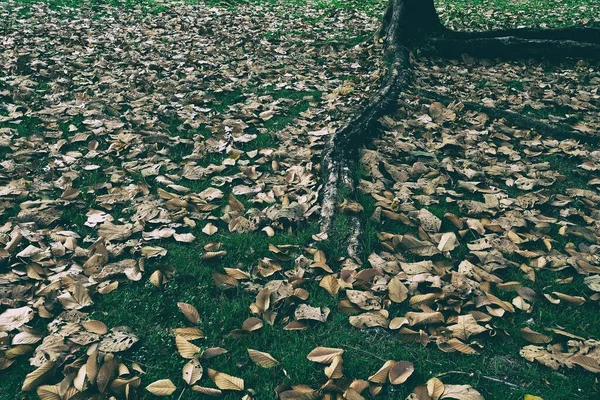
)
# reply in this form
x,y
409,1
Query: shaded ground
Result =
x,y
152,126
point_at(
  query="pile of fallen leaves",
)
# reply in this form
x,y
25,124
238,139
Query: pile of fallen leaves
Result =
x,y
123,131
128,128
470,199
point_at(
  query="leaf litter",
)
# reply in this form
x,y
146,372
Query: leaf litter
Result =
x,y
97,174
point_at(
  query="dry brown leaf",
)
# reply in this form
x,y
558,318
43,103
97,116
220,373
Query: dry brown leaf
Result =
x,y
161,388
400,372
35,378
91,367
330,284
534,337
585,362
304,311
577,300
369,320
97,327
381,376
209,229
191,333
13,318
207,391
324,355
192,371
212,352
435,388
226,382
49,392
106,372
118,339
261,359
186,349
252,324
190,312
397,292
461,392
336,369
397,323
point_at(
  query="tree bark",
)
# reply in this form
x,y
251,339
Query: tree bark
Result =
x,y
418,18
513,47
574,33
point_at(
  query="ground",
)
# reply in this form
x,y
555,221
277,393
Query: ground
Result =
x,y
189,135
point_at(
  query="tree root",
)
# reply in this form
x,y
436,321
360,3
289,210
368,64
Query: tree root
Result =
x,y
572,33
513,47
409,22
556,131
344,144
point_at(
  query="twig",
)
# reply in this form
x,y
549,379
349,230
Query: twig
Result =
x,y
489,378
366,352
471,374
181,394
454,372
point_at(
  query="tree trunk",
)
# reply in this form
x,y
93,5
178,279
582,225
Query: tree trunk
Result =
x,y
418,19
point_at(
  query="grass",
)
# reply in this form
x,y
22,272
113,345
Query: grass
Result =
x,y
151,312
497,14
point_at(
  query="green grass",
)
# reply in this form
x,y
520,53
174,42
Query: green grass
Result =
x,y
497,14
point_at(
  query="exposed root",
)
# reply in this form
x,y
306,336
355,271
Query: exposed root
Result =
x,y
343,146
330,188
406,22
572,33
557,131
513,47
